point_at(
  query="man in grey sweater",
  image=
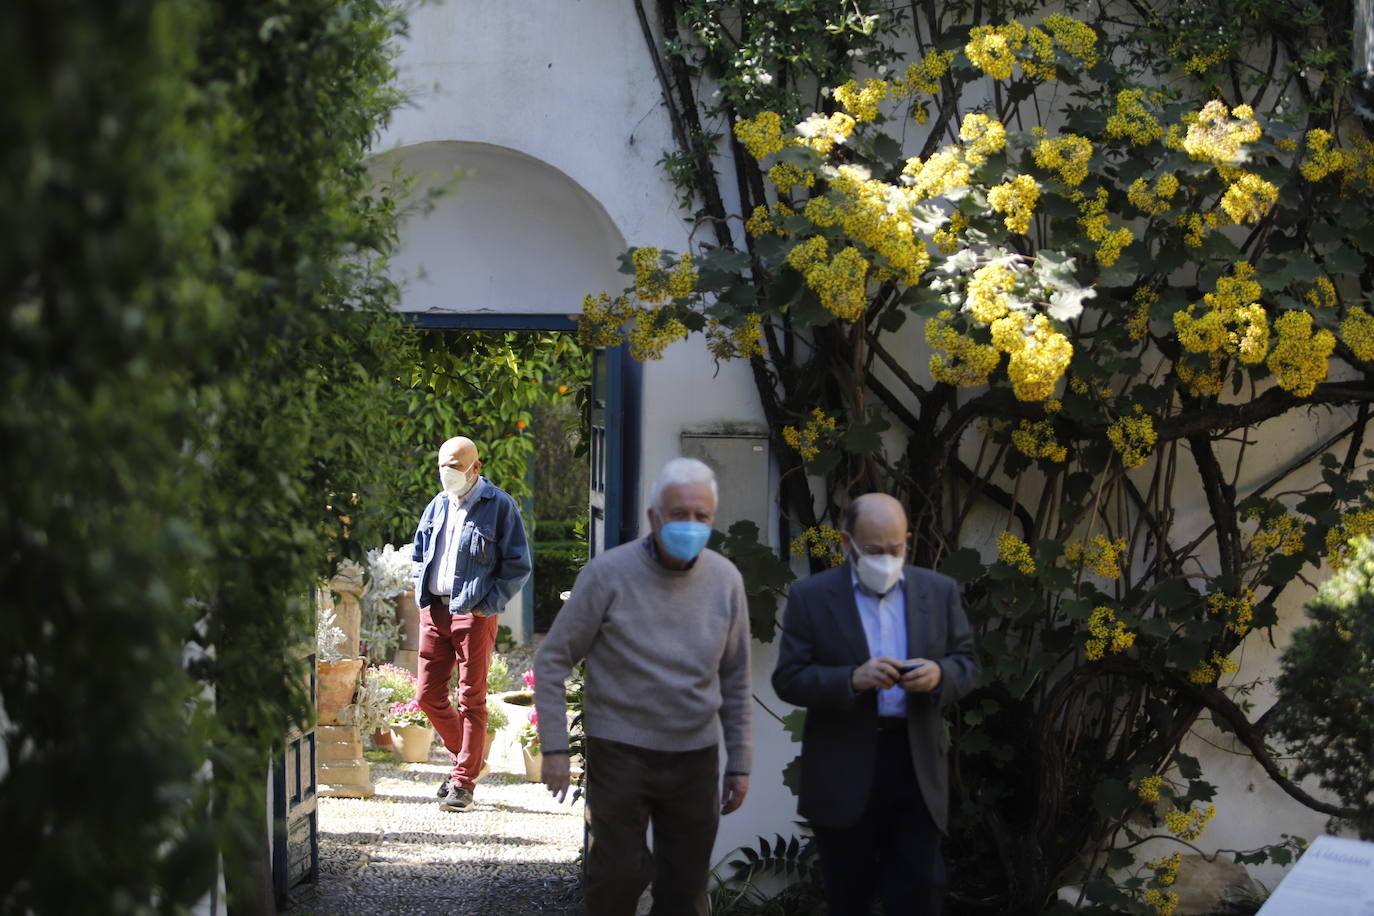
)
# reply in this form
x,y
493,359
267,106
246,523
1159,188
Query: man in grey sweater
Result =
x,y
664,629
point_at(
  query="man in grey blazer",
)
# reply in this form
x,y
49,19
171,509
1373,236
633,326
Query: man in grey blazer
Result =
x,y
875,650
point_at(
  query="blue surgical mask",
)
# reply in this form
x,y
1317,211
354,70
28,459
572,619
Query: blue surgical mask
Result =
x,y
684,540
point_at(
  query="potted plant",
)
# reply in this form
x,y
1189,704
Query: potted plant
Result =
x,y
383,687
411,734
528,736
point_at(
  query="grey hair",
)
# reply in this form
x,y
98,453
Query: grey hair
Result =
x,y
679,471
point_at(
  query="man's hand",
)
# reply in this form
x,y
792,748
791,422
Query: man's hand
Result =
x,y
880,672
924,678
732,791
556,772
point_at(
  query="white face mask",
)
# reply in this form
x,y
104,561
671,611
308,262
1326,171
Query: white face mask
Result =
x,y
878,573
456,483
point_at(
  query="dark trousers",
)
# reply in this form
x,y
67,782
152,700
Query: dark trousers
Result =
x,y
629,788
893,852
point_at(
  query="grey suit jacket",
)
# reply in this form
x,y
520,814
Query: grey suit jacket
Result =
x,y
822,643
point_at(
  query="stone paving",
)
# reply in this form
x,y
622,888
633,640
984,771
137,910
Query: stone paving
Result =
x,y
513,853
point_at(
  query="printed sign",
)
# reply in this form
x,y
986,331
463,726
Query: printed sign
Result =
x,y
1335,877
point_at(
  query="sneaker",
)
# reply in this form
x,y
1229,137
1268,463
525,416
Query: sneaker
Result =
x,y
457,799
443,787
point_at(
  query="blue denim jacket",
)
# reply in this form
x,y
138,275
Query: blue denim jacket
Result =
x,y
493,558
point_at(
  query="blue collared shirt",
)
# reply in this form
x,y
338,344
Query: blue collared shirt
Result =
x,y
884,622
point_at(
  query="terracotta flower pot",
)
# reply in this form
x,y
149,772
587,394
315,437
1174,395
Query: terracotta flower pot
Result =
x,y
335,686
411,743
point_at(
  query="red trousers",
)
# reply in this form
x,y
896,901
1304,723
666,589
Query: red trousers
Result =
x,y
462,641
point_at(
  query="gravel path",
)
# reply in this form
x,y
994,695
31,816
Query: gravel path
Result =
x,y
513,853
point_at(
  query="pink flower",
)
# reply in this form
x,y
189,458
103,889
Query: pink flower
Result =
x,y
528,678
534,717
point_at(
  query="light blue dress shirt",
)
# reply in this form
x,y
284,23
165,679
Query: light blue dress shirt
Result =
x,y
884,622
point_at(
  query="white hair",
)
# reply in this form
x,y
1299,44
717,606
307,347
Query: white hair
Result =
x,y
677,472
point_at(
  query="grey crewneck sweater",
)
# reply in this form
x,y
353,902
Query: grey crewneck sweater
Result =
x,y
667,655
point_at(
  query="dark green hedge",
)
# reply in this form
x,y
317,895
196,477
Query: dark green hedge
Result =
x,y
197,345
556,565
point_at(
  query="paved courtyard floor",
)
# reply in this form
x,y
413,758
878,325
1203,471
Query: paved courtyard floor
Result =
x,y
513,853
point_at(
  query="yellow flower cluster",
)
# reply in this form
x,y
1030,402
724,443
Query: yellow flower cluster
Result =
x,y
1102,556
1322,295
1357,333
982,136
1036,440
1068,155
924,76
966,362
1106,633
1322,159
1194,229
1163,901
1139,324
1076,38
1201,63
821,541
992,48
1153,199
822,134
1134,437
841,283
1299,357
1338,540
1248,199
1040,63
1166,869
1148,788
654,284
653,331
601,318
744,340
1131,120
862,103
1016,199
1216,134
987,298
1238,610
785,176
1013,551
941,173
761,136
878,215
1282,534
1208,672
1189,825
1038,354
807,441
1097,227
946,238
760,222
1235,323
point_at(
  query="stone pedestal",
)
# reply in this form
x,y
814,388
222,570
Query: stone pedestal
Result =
x,y
340,770
408,615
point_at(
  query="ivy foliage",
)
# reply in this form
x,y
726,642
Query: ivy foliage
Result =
x,y
198,337
1047,279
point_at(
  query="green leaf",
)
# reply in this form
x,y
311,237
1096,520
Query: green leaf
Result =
x,y
793,723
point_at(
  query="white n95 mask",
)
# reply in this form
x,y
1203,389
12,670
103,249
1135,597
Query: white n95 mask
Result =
x,y
878,573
